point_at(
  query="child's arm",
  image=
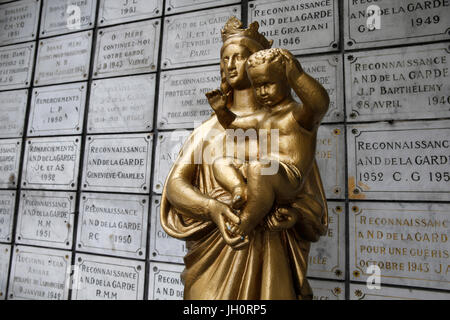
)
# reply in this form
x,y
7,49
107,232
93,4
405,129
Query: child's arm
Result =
x,y
226,117
313,95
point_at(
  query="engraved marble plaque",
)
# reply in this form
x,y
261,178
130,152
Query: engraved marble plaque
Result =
x,y
127,49
299,26
5,256
7,205
10,151
163,247
57,110
182,100
46,219
120,163
165,281
385,22
177,6
399,161
194,38
361,292
119,11
13,105
104,278
63,59
328,70
113,224
330,157
18,21
51,163
168,147
16,65
327,290
327,256
39,274
400,83
64,16
122,104
407,241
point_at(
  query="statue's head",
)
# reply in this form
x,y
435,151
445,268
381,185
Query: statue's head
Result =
x,y
238,45
266,71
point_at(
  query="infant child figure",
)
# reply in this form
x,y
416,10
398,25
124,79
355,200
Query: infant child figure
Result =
x,y
270,72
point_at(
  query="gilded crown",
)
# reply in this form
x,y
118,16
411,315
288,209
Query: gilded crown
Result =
x,y
234,28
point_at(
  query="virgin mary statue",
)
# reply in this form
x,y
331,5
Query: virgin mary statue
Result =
x,y
271,263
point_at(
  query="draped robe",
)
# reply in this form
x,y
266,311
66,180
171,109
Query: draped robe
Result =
x,y
272,266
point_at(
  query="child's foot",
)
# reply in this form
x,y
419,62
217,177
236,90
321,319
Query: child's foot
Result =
x,y
245,227
239,197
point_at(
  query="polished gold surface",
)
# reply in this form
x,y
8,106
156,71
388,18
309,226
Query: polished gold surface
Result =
x,y
249,208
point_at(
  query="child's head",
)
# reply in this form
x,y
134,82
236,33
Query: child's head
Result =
x,y
266,70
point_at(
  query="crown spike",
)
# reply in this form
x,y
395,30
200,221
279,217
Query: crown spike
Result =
x,y
234,28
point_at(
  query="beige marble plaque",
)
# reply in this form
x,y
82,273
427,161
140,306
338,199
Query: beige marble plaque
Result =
x,y
39,274
330,157
327,290
327,256
409,242
165,281
399,161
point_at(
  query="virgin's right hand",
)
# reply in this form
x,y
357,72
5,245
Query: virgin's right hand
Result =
x,y
220,213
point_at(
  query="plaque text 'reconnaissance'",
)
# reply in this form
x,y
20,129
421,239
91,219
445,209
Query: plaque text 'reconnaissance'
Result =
x,y
409,242
399,161
118,163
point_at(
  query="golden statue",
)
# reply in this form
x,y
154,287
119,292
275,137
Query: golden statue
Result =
x,y
248,214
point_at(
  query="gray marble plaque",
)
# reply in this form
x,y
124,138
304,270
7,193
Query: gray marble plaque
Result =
x,y
165,281
400,22
127,49
407,241
65,16
327,290
328,70
162,246
327,256
46,219
401,83
330,157
120,163
57,110
16,65
51,163
194,38
399,161
39,274
168,147
299,26
63,59
104,278
119,11
113,224
18,21
177,6
13,105
10,151
182,100
5,256
122,104
361,292
7,205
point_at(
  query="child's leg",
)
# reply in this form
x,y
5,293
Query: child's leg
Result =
x,y
228,176
262,190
